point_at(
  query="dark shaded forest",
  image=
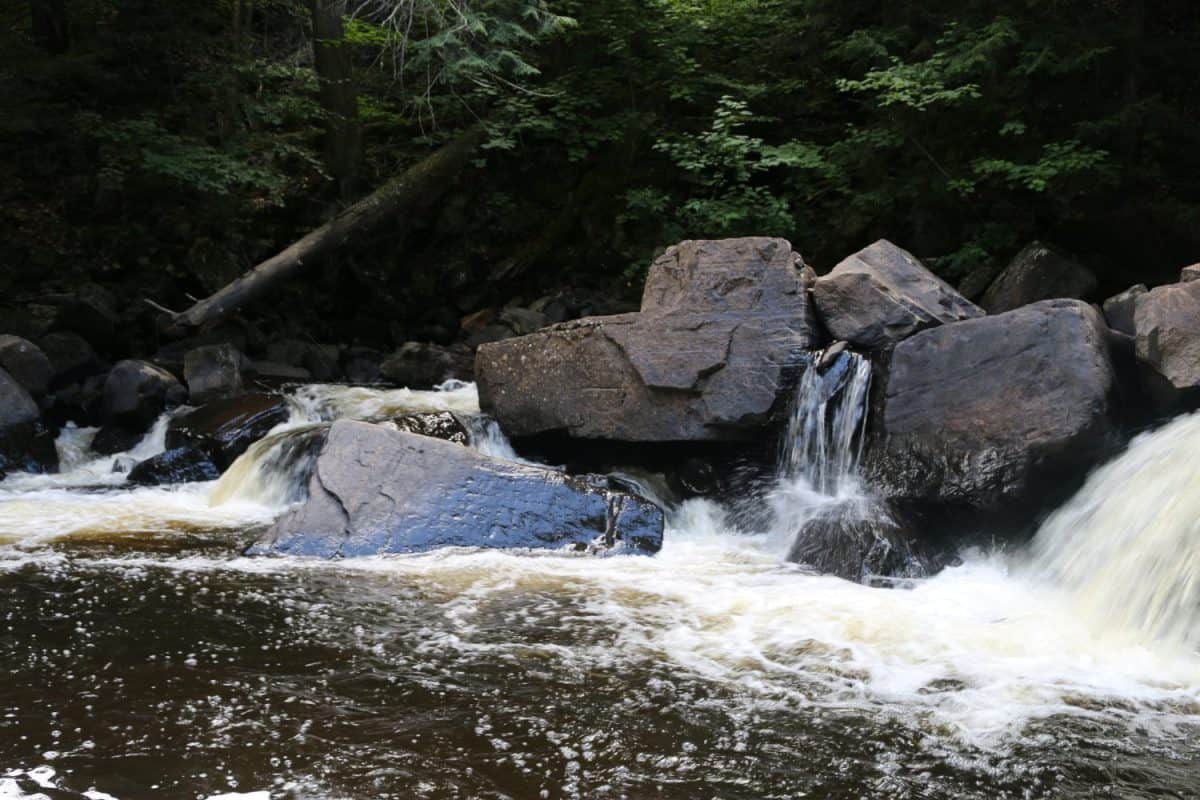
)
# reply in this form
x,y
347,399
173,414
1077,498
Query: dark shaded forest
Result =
x,y
157,150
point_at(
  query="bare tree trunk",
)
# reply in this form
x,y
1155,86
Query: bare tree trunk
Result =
x,y
339,98
50,30
401,198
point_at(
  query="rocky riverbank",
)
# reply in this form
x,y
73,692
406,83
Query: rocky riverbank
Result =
x,y
978,418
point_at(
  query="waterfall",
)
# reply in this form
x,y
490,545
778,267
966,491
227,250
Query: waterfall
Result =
x,y
1126,548
823,443
819,505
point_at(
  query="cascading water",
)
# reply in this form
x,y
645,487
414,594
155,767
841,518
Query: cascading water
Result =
x,y
1127,546
163,663
823,442
819,504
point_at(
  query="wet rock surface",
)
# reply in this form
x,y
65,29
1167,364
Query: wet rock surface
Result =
x,y
883,294
439,424
179,465
225,428
995,411
375,490
711,355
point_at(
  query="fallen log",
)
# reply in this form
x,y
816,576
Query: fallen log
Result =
x,y
416,189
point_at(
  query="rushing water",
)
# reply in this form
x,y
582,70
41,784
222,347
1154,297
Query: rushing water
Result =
x,y
142,657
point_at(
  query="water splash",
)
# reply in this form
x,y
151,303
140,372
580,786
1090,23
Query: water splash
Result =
x,y
1127,547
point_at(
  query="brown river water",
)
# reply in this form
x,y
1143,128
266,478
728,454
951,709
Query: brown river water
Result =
x,y
141,656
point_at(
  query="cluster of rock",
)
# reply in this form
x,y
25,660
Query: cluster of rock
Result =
x,y
990,410
995,408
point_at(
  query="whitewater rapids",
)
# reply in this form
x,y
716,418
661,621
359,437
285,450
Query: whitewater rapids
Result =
x,y
978,669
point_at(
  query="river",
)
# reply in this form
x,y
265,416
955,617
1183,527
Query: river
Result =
x,y
142,656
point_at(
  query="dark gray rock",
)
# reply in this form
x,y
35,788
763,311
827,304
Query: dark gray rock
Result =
x,y
992,412
212,372
421,365
1189,273
136,393
181,465
26,445
858,542
113,439
1167,329
977,281
320,360
375,490
27,364
224,429
1118,309
72,358
1038,273
712,355
17,406
883,294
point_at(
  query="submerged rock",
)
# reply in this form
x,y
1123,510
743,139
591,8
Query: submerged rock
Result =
x,y
995,412
1036,273
225,428
180,465
375,490
883,294
721,336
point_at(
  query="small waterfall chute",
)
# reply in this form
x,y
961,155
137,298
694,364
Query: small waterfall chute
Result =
x,y
819,504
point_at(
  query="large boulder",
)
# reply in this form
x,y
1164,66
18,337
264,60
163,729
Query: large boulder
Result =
x,y
224,429
994,412
136,393
27,364
711,356
883,294
375,490
1038,272
1166,323
212,372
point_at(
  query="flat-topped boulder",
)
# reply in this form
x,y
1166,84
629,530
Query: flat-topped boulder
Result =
x,y
994,411
376,490
882,294
711,356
